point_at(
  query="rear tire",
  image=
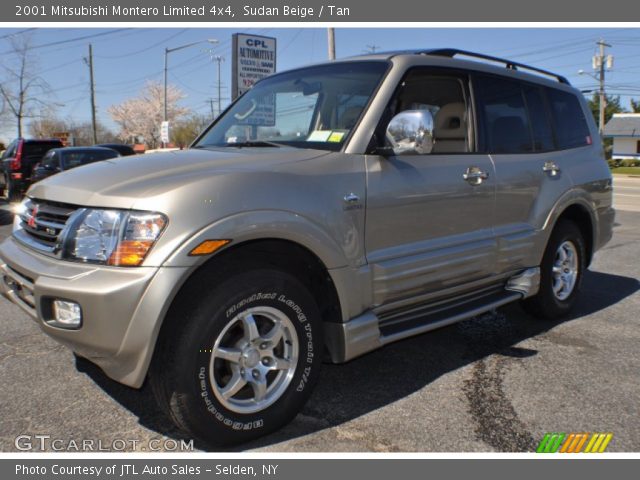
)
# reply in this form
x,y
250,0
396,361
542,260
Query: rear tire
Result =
x,y
563,265
238,362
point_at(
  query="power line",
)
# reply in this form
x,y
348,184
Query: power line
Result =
x,y
8,35
293,39
146,49
62,65
70,40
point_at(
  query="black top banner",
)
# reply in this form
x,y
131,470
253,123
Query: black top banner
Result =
x,y
236,11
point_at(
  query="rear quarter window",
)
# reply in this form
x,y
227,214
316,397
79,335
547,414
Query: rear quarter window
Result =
x,y
571,126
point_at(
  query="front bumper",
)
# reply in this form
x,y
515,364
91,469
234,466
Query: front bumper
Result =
x,y
122,308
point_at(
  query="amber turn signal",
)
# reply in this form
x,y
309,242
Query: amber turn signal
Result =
x,y
130,253
209,246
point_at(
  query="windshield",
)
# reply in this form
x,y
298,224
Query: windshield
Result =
x,y
315,107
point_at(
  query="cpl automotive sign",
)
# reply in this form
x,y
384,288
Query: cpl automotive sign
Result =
x,y
254,57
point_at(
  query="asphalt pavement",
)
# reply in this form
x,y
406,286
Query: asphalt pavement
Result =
x,y
627,193
497,383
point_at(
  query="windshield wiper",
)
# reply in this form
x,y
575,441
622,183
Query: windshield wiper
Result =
x,y
253,143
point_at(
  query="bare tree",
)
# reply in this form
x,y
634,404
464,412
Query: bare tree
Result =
x,y
143,115
22,90
81,132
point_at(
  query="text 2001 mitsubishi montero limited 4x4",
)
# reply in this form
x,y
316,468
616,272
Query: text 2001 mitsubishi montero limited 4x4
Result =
x,y
329,211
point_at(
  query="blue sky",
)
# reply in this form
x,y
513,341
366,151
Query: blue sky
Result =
x,y
125,58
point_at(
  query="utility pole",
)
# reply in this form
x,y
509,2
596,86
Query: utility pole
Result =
x,y
213,114
219,59
601,63
371,48
331,38
164,101
94,128
167,51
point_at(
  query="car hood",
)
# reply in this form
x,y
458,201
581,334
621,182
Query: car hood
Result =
x,y
120,182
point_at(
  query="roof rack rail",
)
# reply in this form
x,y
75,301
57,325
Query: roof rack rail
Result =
x,y
511,65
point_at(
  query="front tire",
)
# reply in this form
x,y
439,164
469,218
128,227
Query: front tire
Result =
x,y
561,271
239,362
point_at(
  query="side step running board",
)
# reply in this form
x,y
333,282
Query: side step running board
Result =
x,y
367,332
443,314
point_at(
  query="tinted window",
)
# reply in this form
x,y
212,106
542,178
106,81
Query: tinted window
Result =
x,y
77,158
50,160
38,148
539,119
503,115
571,126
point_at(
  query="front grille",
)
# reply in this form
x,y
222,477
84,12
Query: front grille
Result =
x,y
42,222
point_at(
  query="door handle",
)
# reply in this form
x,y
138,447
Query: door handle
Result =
x,y
551,168
351,198
475,176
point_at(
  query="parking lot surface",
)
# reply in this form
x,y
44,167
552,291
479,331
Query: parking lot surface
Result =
x,y
496,383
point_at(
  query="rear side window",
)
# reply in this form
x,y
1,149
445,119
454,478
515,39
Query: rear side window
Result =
x,y
77,158
539,119
571,127
503,114
39,148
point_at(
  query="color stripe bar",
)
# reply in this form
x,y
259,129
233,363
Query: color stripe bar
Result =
x,y
556,444
591,443
583,439
573,442
567,442
606,441
543,443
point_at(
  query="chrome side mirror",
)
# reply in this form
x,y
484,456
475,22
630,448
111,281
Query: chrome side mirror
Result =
x,y
411,132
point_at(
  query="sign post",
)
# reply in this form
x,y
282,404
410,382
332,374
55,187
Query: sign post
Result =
x,y
254,57
164,132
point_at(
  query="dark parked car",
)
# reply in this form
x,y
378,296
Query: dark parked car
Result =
x,y
61,159
122,149
18,161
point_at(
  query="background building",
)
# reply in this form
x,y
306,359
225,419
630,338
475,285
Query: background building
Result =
x,y
624,129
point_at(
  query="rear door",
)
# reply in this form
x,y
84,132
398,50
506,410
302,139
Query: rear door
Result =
x,y
427,228
517,132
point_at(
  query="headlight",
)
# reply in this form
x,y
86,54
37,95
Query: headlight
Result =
x,y
113,237
19,210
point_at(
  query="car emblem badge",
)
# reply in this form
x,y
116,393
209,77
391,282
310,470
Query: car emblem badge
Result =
x,y
32,217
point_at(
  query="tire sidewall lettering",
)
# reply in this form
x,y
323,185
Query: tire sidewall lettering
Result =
x,y
302,376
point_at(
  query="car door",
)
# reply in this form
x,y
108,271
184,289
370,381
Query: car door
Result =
x,y
517,134
49,165
429,219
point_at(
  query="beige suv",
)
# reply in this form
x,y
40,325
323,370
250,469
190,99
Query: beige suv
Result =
x,y
329,211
